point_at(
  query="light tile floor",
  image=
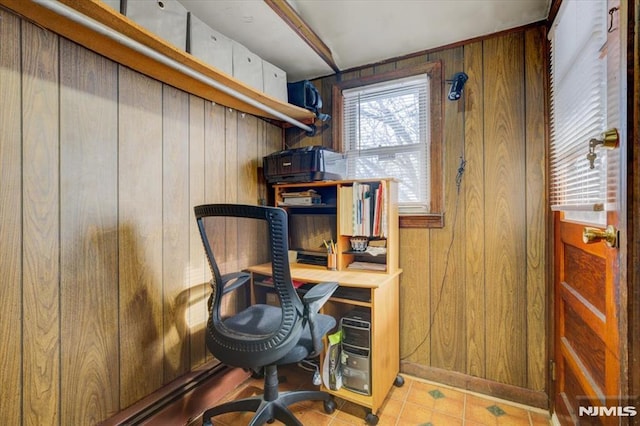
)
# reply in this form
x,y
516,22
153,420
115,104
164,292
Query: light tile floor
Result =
x,y
418,402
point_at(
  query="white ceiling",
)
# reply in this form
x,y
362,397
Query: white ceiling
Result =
x,y
361,32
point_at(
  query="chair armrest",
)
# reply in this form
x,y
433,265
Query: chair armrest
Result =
x,y
230,282
318,295
313,301
233,280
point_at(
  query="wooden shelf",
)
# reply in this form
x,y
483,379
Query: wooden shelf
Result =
x,y
124,55
330,191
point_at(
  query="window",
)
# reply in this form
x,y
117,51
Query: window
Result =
x,y
578,106
389,126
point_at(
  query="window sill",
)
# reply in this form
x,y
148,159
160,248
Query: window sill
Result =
x,y
433,220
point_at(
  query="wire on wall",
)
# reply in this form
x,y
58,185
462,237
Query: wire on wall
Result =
x,y
459,175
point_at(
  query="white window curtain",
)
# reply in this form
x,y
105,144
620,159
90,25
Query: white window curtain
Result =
x,y
578,105
386,134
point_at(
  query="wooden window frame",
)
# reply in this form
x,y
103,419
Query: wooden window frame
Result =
x,y
435,217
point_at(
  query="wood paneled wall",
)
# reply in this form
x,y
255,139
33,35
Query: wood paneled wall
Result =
x,y
474,293
103,272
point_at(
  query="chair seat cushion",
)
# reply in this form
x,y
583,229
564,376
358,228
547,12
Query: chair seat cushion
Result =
x,y
265,319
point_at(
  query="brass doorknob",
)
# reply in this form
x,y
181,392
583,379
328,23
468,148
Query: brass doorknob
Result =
x,y
593,235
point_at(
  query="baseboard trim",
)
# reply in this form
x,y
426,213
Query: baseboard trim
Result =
x,y
183,399
476,384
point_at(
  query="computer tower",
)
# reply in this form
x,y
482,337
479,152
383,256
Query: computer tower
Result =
x,y
356,351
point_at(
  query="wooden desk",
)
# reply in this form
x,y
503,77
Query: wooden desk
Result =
x,y
383,289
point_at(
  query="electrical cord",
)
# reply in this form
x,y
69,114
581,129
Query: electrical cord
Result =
x,y
310,365
459,175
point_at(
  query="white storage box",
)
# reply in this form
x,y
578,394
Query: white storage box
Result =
x,y
274,81
209,45
114,4
247,66
165,18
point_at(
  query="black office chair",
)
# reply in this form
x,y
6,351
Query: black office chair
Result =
x,y
263,336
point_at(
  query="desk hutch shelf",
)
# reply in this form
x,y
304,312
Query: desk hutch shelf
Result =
x,y
337,199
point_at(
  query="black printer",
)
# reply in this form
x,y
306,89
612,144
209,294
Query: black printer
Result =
x,y
304,165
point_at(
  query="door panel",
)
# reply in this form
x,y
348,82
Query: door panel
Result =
x,y
587,347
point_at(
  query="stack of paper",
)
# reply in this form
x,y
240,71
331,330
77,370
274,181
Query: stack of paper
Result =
x,y
302,198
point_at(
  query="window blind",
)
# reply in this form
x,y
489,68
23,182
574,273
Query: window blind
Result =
x,y
386,134
578,105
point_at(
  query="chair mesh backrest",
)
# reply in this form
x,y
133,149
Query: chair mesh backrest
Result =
x,y
251,350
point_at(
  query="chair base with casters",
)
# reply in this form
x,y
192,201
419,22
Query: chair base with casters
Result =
x,y
272,405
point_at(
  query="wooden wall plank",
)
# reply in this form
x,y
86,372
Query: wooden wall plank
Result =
x,y
10,220
415,327
473,183
215,167
176,215
199,274
231,196
41,233
505,220
247,184
231,155
140,235
537,206
448,334
88,235
215,157
231,187
248,163
215,173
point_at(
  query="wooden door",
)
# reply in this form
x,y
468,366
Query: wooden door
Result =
x,y
587,353
590,313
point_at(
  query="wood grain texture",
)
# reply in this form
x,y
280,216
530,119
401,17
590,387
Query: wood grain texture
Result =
x,y
176,218
40,221
231,180
199,274
536,207
248,160
474,213
585,344
505,209
215,163
88,236
140,235
100,249
503,138
448,342
10,219
585,273
602,376
247,186
415,325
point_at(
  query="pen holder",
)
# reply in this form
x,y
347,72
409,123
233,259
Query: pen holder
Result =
x,y
332,261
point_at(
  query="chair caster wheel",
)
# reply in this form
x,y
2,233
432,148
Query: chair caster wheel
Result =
x,y
371,419
399,381
207,423
271,421
329,406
